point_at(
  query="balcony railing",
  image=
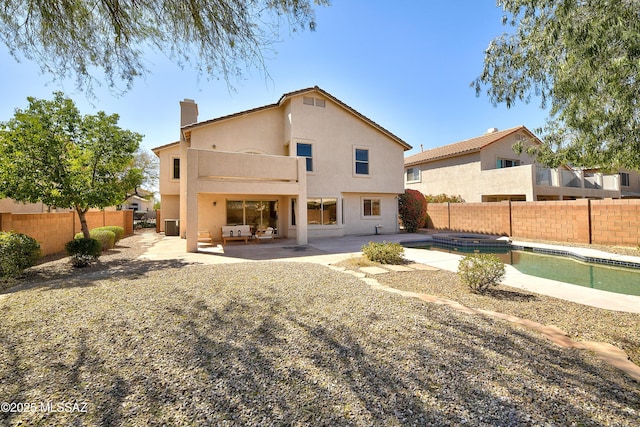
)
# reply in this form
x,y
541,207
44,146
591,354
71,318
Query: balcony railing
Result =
x,y
576,179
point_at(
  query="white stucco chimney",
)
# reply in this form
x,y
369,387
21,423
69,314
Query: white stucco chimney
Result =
x,y
188,112
492,130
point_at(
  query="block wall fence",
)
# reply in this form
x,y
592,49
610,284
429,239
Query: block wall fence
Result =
x,y
605,222
53,230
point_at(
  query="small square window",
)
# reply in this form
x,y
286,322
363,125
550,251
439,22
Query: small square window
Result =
x,y
413,175
371,207
320,102
307,100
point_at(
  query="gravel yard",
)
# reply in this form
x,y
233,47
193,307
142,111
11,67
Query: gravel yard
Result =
x,y
139,343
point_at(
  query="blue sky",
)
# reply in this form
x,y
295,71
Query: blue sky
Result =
x,y
406,65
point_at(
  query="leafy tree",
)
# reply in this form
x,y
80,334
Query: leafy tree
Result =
x,y
412,208
582,59
74,38
149,165
51,153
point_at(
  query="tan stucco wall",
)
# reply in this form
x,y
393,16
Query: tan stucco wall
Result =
x,y
356,223
169,208
11,206
634,181
503,149
334,133
167,184
261,132
452,176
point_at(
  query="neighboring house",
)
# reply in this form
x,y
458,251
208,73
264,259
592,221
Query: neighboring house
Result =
x,y
308,165
139,203
11,206
486,169
629,184
134,203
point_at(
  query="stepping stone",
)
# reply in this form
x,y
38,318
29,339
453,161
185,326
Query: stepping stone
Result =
x,y
373,270
423,267
398,268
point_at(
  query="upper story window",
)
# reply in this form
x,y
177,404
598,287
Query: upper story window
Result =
x,y
507,163
305,150
361,161
175,172
413,175
624,179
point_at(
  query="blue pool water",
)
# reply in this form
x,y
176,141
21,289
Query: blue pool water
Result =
x,y
563,269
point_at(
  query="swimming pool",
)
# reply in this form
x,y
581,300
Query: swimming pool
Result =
x,y
609,278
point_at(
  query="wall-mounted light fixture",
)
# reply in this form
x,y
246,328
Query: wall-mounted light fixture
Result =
x,y
215,203
213,146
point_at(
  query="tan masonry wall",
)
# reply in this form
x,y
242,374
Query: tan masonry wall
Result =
x,y
53,230
608,222
488,218
438,216
565,221
619,226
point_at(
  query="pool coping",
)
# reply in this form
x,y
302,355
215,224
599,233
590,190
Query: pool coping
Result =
x,y
567,291
583,254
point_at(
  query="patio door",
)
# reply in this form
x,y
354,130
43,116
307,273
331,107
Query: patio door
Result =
x,y
256,213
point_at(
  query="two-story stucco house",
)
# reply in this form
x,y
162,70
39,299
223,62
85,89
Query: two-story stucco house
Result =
x,y
486,169
307,166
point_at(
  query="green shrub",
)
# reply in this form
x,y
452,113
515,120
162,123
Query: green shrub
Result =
x,y
480,271
118,231
17,253
412,208
106,238
83,251
443,198
384,253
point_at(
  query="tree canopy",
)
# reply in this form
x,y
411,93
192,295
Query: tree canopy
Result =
x,y
582,59
78,38
51,153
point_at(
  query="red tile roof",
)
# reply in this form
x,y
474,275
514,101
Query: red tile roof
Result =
x,y
464,147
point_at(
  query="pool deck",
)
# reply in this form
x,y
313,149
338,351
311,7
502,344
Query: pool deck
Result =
x,y
331,250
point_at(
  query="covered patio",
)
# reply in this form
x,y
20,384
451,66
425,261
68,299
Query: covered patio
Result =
x,y
256,190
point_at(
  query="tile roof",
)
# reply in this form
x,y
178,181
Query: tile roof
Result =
x,y
464,147
289,95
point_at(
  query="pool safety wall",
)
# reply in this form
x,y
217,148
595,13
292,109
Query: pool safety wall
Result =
x,y
607,222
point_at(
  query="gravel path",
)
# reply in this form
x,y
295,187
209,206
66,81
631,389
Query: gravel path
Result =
x,y
271,343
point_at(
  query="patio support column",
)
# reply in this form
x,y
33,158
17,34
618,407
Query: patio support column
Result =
x,y
301,206
191,197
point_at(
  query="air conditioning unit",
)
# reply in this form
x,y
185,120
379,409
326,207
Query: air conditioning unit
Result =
x,y
171,227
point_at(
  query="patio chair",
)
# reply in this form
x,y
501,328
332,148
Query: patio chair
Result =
x,y
264,234
204,236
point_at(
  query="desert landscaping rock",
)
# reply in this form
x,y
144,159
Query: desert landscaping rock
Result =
x,y
276,343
